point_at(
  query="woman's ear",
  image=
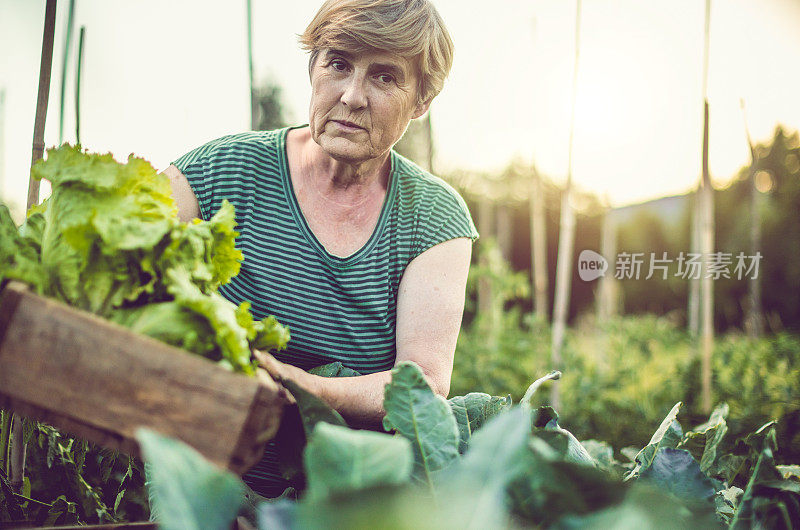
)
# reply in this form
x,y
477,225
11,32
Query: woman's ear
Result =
x,y
421,109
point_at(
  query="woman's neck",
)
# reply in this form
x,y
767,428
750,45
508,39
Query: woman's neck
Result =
x,y
339,181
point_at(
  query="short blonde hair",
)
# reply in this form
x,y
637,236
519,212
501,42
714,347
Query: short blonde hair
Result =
x,y
412,29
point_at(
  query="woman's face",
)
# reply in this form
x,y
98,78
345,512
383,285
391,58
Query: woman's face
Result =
x,y
362,103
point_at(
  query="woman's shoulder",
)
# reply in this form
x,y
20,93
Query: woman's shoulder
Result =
x,y
429,207
421,186
251,143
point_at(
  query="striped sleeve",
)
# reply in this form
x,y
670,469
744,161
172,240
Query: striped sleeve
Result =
x,y
449,218
220,169
194,166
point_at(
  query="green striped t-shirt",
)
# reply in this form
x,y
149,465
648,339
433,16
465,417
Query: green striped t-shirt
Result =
x,y
337,309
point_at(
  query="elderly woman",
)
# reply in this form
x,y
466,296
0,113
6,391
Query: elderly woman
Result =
x,y
360,252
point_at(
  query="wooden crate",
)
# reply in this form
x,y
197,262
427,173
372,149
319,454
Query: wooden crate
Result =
x,y
101,382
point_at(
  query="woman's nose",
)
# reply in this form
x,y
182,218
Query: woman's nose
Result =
x,y
354,95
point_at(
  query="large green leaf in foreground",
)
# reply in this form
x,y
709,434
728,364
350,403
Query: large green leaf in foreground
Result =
x,y
668,434
546,419
472,411
704,441
187,492
339,459
473,489
676,472
423,417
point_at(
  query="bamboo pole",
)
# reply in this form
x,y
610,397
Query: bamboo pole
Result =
x,y
538,248
607,288
505,236
566,240
17,442
64,56
78,72
253,102
754,316
539,278
45,67
693,304
707,241
486,294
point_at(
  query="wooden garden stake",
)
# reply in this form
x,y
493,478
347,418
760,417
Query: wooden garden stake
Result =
x,y
754,316
566,238
44,94
538,248
17,450
706,199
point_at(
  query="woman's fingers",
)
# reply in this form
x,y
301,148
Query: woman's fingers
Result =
x,y
283,394
270,364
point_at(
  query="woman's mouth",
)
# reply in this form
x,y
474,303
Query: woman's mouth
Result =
x,y
347,126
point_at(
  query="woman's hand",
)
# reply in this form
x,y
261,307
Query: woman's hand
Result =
x,y
281,371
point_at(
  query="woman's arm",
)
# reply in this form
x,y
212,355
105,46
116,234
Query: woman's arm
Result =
x,y
185,199
430,304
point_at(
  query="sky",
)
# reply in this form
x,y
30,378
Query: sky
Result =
x,y
162,77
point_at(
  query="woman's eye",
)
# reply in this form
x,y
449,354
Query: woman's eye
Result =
x,y
338,65
385,78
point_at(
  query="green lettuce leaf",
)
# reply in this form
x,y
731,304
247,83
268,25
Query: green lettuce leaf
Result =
x,y
108,240
19,252
222,315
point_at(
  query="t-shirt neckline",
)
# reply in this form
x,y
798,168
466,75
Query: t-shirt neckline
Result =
x,y
297,213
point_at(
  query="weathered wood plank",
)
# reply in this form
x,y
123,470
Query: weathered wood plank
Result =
x,y
101,382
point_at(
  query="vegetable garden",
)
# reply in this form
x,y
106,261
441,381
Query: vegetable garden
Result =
x,y
108,241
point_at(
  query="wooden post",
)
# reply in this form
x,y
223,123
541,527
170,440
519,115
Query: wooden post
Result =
x,y
754,316
566,240
538,248
486,228
707,286
17,449
253,102
607,301
505,232
693,304
45,67
707,242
